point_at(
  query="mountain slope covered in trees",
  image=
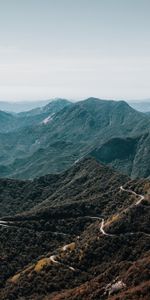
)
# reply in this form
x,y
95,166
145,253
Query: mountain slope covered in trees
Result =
x,y
76,130
83,234
128,155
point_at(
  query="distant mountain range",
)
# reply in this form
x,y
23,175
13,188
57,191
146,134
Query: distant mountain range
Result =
x,y
82,234
52,138
20,106
11,122
141,105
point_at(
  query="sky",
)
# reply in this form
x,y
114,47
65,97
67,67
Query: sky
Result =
x,y
74,49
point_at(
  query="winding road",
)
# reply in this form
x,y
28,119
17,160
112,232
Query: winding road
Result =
x,y
141,197
54,259
101,226
4,223
12,224
102,229
59,233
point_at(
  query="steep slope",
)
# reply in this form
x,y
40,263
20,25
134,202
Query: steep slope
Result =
x,y
68,136
41,115
53,190
6,121
52,107
130,155
83,237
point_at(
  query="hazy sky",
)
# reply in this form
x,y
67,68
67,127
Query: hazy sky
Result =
x,y
74,49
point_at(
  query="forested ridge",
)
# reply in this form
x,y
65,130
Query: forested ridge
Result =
x,y
76,235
